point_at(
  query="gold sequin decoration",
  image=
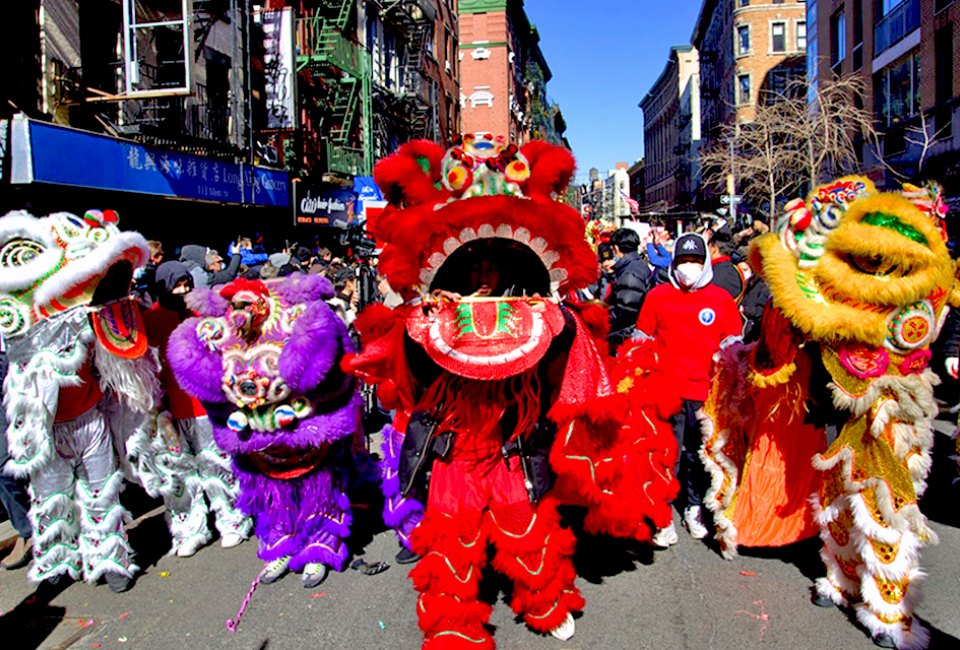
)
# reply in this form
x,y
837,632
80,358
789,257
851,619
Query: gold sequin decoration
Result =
x,y
891,592
886,553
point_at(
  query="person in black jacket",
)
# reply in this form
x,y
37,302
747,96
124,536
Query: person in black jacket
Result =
x,y
725,272
632,279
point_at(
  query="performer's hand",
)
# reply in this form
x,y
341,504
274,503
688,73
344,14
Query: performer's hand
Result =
x,y
952,364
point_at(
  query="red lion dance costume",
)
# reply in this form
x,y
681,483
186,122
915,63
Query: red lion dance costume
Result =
x,y
505,406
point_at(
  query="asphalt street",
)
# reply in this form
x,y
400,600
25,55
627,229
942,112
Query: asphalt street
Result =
x,y
684,597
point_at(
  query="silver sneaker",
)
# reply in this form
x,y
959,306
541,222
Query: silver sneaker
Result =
x,y
313,574
274,570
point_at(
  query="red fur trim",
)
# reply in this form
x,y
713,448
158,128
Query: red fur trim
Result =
x,y
569,602
383,360
243,284
404,182
375,321
596,318
551,168
438,612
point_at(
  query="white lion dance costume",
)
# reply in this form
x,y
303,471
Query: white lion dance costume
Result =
x,y
859,282
78,370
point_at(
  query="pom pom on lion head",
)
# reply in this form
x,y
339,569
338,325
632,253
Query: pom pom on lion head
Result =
x,y
482,197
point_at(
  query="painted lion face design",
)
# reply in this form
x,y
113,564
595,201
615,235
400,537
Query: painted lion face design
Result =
x,y
51,265
481,222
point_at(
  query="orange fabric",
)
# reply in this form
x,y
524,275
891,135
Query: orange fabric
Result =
x,y
772,507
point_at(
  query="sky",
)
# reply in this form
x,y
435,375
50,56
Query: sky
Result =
x,y
605,56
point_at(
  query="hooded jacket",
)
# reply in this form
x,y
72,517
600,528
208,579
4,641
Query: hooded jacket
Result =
x,y
689,324
195,258
160,321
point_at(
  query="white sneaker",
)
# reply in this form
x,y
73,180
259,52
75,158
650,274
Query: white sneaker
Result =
x,y
693,520
565,630
274,570
666,537
190,546
230,540
313,574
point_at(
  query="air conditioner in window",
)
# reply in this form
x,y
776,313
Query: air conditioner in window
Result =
x,y
446,66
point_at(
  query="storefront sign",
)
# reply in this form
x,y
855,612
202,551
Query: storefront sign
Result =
x,y
44,153
324,206
279,68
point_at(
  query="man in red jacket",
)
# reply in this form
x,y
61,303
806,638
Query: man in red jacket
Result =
x,y
690,318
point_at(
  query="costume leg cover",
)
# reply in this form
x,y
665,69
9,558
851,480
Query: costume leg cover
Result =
x,y
76,508
307,518
400,513
535,553
873,529
215,477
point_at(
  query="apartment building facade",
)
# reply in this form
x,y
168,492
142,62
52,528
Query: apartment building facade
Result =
x,y
907,53
671,133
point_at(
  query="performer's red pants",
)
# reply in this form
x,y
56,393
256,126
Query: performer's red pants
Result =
x,y
472,505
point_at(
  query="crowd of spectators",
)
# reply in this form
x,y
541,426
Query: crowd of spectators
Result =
x,y
354,278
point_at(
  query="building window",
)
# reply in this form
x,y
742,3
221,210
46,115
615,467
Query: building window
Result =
x,y
838,38
778,37
943,76
743,39
897,90
801,36
744,3
857,34
743,89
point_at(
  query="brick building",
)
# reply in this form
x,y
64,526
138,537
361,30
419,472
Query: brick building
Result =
x,y
504,73
906,50
749,50
671,132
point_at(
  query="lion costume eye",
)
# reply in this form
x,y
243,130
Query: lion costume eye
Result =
x,y
875,265
19,252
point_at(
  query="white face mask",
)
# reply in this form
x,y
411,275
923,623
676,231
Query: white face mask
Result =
x,y
688,273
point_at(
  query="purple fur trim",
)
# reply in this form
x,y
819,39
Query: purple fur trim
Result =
x,y
289,516
205,302
312,348
298,288
198,369
400,513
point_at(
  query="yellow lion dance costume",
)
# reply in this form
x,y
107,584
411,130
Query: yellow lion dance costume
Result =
x,y
859,281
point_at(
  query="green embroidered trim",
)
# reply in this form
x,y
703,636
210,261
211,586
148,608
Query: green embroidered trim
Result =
x,y
891,222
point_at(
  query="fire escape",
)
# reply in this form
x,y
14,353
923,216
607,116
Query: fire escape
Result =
x,y
404,103
338,71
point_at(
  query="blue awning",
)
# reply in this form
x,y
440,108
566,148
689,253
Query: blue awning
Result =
x,y
46,153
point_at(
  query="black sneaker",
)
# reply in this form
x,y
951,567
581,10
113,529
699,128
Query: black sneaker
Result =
x,y
117,582
823,601
884,641
406,556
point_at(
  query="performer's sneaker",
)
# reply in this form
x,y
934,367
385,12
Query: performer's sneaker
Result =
x,y
117,582
406,556
823,601
190,546
274,570
313,574
666,536
230,540
565,630
884,641
19,556
693,520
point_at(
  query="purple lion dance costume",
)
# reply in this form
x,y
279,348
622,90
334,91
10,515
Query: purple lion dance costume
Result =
x,y
264,358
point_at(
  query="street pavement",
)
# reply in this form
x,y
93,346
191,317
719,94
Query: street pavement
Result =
x,y
684,597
